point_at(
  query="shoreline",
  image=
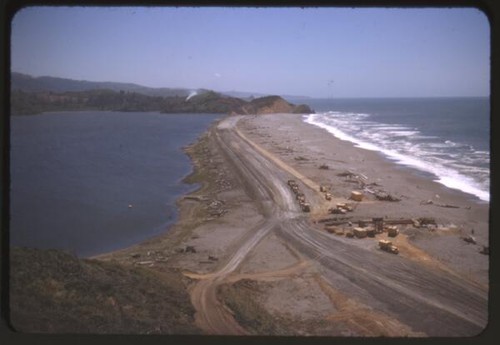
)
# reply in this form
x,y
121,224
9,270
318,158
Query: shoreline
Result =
x,y
209,232
409,161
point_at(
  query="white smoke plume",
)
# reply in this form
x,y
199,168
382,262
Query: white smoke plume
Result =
x,y
193,93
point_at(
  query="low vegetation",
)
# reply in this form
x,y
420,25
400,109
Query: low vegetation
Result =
x,y
54,292
240,297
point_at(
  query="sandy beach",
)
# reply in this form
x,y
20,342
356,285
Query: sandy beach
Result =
x,y
255,263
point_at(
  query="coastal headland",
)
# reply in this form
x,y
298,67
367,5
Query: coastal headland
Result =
x,y
254,263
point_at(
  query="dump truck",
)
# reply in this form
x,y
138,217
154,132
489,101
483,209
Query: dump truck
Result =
x,y
387,246
337,211
305,207
322,189
328,196
344,206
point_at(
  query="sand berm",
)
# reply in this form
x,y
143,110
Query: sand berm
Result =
x,y
255,263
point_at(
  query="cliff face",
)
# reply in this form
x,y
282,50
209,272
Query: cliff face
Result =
x,y
272,105
213,102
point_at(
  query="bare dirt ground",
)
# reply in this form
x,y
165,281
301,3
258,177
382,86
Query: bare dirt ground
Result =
x,y
256,264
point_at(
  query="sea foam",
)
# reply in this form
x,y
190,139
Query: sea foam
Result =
x,y
407,146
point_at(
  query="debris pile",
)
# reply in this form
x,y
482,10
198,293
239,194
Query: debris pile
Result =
x,y
216,208
383,196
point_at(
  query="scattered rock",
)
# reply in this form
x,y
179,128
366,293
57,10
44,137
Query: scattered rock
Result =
x,y
190,249
485,250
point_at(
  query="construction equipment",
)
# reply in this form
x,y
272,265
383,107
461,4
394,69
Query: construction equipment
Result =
x,y
378,223
305,207
392,231
356,196
360,232
328,196
387,246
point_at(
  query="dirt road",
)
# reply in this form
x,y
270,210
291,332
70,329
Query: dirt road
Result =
x,y
426,299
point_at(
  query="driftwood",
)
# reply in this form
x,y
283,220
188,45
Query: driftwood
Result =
x,y
469,239
430,202
339,222
346,174
196,197
333,219
383,196
448,205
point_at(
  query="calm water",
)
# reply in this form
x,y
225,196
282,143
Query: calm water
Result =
x,y
446,137
74,175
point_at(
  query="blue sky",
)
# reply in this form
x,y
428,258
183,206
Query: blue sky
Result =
x,y
323,52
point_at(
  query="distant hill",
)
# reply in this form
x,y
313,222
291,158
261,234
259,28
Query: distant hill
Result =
x,y
30,95
27,83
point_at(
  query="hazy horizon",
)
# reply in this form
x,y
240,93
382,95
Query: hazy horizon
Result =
x,y
312,52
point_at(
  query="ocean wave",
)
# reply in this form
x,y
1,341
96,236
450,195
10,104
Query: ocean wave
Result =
x,y
455,165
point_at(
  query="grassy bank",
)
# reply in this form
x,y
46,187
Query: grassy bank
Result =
x,y
53,292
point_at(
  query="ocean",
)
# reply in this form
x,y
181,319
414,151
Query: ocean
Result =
x,y
74,175
448,138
